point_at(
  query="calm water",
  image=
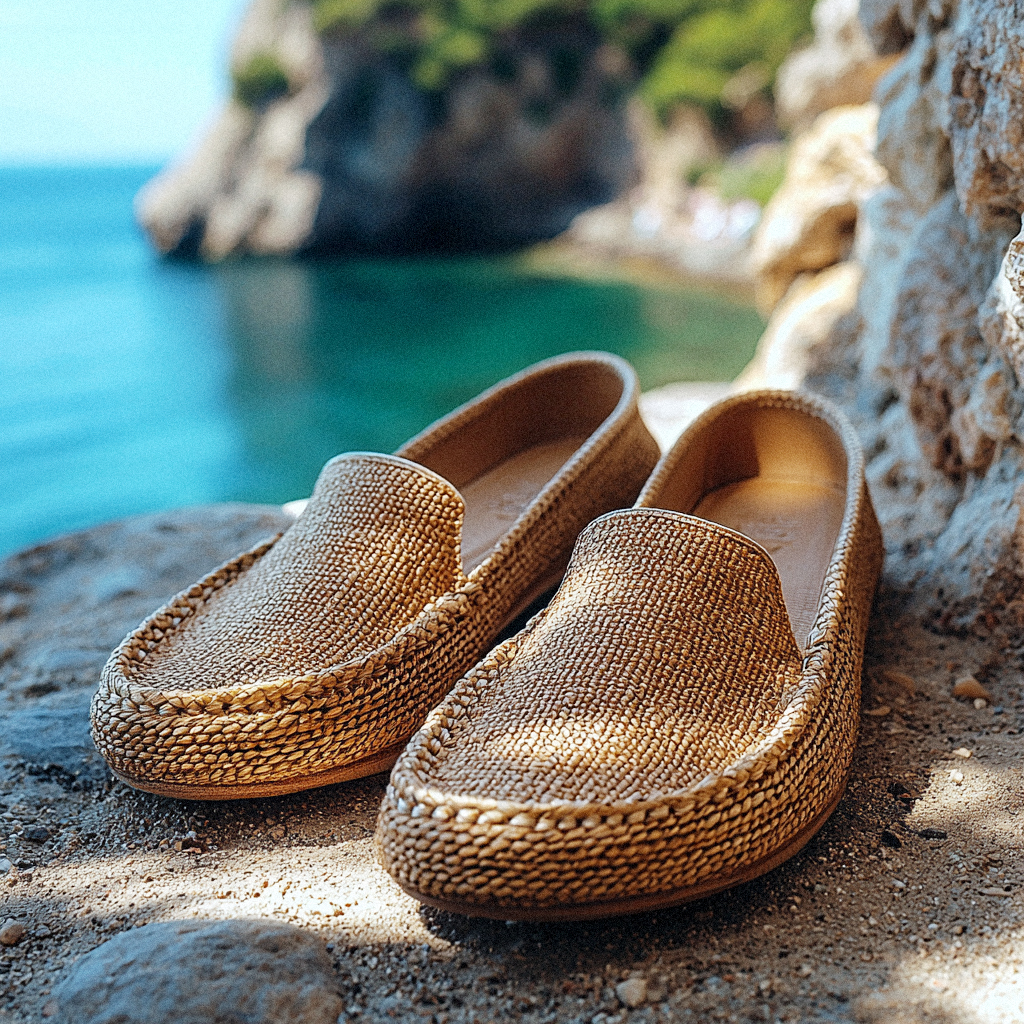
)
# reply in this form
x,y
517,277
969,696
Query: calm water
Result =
x,y
130,384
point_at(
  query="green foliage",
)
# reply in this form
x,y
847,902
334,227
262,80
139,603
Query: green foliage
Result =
x,y
754,173
260,80
686,51
706,50
333,15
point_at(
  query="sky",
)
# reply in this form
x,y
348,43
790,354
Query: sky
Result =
x,y
110,81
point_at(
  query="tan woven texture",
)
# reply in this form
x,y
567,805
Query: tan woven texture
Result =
x,y
313,656
658,731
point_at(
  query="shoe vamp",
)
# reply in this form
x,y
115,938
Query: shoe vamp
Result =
x,y
634,684
342,581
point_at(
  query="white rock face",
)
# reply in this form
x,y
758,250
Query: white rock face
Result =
x,y
840,68
244,187
806,319
912,145
1001,317
809,223
986,106
935,357
929,358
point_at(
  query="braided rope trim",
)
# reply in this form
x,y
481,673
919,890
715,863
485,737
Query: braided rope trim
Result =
x,y
480,850
132,724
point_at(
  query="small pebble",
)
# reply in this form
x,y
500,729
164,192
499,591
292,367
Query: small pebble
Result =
x,y
632,992
932,833
969,688
961,752
956,776
890,839
979,703
5,865
879,712
11,932
37,834
900,679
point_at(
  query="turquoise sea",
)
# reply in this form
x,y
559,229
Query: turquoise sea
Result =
x,y
129,383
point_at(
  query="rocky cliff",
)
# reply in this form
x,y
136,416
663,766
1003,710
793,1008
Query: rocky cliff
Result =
x,y
924,341
331,146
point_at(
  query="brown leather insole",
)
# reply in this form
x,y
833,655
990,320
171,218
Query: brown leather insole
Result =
x,y
797,523
497,498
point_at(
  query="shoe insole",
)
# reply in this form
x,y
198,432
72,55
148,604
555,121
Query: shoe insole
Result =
x,y
797,523
497,498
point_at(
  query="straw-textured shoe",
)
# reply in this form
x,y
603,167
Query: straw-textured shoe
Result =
x,y
682,716
313,657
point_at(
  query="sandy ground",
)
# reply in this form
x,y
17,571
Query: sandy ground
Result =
x,y
907,906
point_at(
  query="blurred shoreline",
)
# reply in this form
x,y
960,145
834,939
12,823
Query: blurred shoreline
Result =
x,y
565,256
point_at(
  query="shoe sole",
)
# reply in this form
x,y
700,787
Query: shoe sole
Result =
x,y
636,904
383,761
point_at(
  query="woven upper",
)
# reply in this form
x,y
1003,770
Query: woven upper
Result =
x,y
658,731
378,541
667,654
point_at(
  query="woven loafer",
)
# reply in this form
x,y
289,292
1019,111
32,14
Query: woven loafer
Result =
x,y
312,658
682,716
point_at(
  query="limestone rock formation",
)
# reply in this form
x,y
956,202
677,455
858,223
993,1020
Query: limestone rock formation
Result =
x,y
840,68
986,107
806,319
202,972
912,144
890,23
350,156
1001,318
930,359
956,389
809,223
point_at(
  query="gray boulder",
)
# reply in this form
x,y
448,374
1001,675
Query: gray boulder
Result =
x,y
201,972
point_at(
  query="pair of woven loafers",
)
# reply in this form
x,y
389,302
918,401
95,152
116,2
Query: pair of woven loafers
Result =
x,y
680,718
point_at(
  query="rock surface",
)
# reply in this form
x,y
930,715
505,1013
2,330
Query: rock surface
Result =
x,y
71,600
929,362
986,108
808,318
957,390
842,932
354,158
224,972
